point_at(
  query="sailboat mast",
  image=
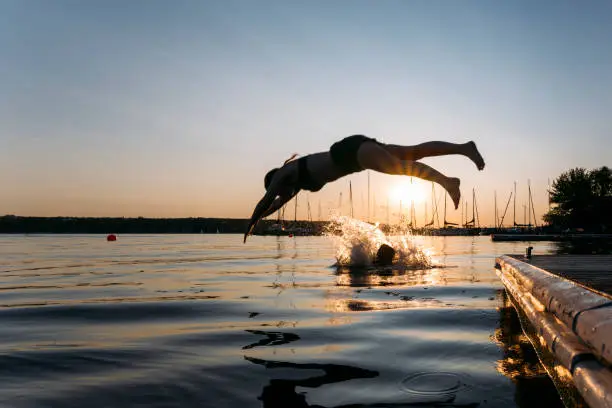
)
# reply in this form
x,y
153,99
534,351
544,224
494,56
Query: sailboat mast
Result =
x,y
374,205
529,201
400,213
532,207
351,197
412,215
368,196
435,203
501,222
514,216
473,208
444,210
476,208
495,203
388,212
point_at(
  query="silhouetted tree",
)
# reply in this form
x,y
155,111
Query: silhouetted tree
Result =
x,y
582,199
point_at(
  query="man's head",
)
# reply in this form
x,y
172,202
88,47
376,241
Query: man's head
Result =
x,y
385,255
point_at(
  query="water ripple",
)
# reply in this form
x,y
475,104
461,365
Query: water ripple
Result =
x,y
205,321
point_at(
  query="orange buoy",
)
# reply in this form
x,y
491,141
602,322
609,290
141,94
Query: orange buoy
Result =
x,y
111,237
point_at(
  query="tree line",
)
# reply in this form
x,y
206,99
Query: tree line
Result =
x,y
581,199
11,224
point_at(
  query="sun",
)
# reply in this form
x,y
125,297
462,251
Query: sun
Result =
x,y
407,192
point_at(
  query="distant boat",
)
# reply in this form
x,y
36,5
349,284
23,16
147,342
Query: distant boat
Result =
x,y
275,229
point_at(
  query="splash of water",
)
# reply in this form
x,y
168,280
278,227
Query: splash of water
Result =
x,y
357,243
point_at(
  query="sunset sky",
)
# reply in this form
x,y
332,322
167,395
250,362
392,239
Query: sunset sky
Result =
x,y
178,108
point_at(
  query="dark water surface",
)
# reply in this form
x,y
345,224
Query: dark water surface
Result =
x,y
205,321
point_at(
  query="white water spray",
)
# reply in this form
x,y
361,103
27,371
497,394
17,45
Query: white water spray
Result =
x,y
357,243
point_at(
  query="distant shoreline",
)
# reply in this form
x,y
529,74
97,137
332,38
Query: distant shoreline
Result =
x,y
12,224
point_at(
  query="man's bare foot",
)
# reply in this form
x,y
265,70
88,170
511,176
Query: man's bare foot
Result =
x,y
452,187
474,155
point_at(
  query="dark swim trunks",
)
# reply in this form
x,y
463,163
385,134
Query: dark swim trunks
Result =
x,y
305,180
344,152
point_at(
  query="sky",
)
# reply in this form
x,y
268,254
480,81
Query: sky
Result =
x,y
179,108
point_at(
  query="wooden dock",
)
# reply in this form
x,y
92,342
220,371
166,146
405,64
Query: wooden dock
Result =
x,y
501,237
592,271
567,301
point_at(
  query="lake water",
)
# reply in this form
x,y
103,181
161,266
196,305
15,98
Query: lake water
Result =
x,y
206,321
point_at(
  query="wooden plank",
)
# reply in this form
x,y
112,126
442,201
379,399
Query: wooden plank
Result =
x,y
551,237
592,271
572,322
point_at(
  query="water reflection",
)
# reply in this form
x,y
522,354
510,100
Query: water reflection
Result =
x,y
281,393
272,339
384,276
521,363
367,297
177,319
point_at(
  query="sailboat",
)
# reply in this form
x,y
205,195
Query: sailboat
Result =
x,y
501,221
473,226
527,209
434,208
448,227
278,228
447,224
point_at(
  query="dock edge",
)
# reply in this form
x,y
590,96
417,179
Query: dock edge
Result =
x,y
572,322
